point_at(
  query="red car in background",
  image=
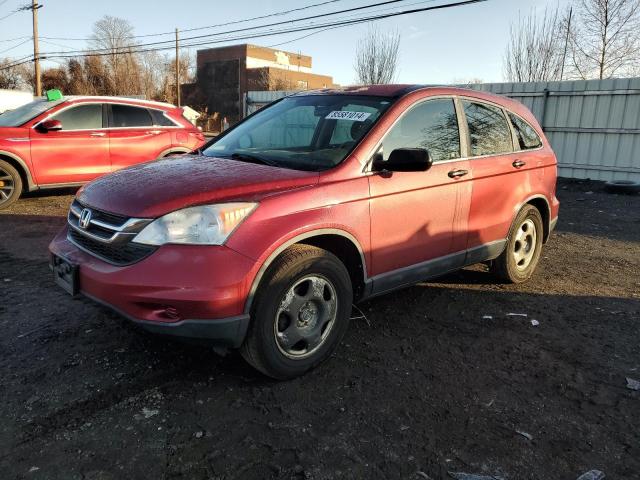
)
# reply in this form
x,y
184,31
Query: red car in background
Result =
x,y
72,140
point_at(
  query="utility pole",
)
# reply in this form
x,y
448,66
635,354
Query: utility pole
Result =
x,y
566,43
177,69
36,49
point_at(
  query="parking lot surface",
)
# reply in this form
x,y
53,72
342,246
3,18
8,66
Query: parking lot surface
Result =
x,y
440,377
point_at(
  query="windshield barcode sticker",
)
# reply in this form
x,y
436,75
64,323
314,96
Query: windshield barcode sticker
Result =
x,y
344,115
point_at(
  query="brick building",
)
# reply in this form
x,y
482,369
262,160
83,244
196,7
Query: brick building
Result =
x,y
225,74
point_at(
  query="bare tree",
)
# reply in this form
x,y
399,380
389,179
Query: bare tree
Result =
x,y
535,48
12,78
114,35
377,57
606,40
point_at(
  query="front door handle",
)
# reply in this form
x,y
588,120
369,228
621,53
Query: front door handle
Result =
x,y
519,164
98,134
457,173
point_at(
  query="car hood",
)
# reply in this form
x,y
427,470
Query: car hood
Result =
x,y
155,188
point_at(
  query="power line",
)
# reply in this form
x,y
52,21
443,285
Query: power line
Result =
x,y
15,63
13,39
16,46
9,15
197,37
422,2
335,24
234,22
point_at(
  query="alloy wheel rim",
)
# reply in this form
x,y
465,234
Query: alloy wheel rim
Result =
x,y
305,316
524,246
6,186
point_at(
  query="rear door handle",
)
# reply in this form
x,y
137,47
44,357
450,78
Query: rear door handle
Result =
x,y
457,173
98,134
154,132
519,164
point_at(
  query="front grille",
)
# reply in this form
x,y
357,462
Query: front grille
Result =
x,y
107,235
120,254
106,217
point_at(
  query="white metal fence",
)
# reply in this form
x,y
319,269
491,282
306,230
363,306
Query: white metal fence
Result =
x,y
593,125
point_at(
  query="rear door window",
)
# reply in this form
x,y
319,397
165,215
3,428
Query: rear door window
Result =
x,y
432,125
81,117
123,116
527,136
489,132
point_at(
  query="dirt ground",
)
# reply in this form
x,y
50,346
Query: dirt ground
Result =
x,y
423,387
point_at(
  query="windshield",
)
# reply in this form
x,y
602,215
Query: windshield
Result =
x,y
304,133
23,114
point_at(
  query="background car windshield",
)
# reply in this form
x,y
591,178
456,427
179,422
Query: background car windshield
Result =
x,y
305,133
23,114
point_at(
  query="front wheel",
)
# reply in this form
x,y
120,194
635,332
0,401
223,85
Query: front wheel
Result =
x,y
300,314
520,257
10,184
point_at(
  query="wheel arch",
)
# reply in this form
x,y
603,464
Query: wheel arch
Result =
x,y
542,204
172,150
16,162
339,242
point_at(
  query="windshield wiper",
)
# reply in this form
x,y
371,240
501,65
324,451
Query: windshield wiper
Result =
x,y
248,157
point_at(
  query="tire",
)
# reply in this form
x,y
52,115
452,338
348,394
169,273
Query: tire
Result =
x,y
622,186
10,185
520,257
300,314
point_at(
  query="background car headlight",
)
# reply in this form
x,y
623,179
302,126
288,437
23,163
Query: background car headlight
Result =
x,y
202,225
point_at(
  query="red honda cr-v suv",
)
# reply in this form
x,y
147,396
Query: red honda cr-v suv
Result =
x,y
322,199
69,141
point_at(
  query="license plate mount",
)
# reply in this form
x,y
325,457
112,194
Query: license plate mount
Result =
x,y
65,274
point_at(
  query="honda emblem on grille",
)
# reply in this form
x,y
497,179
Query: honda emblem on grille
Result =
x,y
85,218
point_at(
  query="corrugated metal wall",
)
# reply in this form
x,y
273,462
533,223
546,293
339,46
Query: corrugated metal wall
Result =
x,y
593,125
255,100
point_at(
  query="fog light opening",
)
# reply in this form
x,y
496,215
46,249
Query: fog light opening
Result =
x,y
171,313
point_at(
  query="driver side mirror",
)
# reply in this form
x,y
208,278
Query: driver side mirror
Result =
x,y
404,160
50,126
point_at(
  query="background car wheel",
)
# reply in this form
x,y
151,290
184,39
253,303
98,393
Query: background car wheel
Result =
x,y
300,314
519,259
10,184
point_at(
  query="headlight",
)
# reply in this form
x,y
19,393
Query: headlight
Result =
x,y
203,225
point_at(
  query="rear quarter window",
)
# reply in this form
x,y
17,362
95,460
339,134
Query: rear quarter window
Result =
x,y
160,119
527,136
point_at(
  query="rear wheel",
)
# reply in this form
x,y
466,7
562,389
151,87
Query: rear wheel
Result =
x,y
519,259
300,314
10,184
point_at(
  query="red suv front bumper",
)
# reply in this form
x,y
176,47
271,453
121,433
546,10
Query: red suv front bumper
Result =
x,y
188,291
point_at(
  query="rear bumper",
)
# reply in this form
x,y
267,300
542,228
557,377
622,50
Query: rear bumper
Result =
x,y
187,291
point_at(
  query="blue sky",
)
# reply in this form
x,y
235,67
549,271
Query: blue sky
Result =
x,y
436,47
